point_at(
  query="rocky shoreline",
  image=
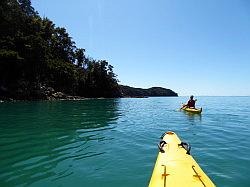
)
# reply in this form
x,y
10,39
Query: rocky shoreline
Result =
x,y
45,93
49,93
59,96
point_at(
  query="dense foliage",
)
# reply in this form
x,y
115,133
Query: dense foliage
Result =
x,y
128,91
36,56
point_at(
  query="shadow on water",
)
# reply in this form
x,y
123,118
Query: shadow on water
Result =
x,y
36,137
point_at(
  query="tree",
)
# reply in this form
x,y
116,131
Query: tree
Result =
x,y
80,57
27,8
35,54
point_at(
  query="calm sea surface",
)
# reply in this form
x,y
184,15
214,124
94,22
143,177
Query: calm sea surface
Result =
x,y
113,142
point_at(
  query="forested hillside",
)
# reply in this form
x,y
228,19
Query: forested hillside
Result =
x,y
38,59
128,91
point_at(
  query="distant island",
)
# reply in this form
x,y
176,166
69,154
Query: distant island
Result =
x,y
39,61
128,91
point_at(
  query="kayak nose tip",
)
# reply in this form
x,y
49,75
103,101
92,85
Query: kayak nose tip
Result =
x,y
170,133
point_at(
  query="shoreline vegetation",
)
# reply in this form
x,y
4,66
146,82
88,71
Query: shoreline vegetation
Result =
x,y
126,92
39,61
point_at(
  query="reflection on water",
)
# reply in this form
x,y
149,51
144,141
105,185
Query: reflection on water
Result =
x,y
36,137
193,118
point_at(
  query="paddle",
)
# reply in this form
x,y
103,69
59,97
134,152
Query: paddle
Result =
x,y
179,109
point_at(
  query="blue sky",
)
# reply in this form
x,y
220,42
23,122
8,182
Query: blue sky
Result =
x,y
192,47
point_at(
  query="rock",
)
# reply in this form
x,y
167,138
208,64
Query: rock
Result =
x,y
49,91
59,95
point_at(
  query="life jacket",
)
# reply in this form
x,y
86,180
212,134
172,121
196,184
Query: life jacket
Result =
x,y
191,104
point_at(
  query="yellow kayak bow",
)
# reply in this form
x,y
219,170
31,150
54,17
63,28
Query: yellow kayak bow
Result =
x,y
175,167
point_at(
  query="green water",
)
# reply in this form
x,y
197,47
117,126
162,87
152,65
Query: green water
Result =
x,y
112,142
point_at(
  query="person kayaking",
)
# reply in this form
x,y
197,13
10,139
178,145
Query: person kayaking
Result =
x,y
190,103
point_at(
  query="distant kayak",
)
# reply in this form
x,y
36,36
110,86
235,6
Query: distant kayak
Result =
x,y
175,167
192,110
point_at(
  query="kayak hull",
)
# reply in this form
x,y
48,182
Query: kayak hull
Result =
x,y
175,168
192,110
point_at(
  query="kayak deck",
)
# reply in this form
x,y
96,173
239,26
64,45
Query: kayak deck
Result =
x,y
175,168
